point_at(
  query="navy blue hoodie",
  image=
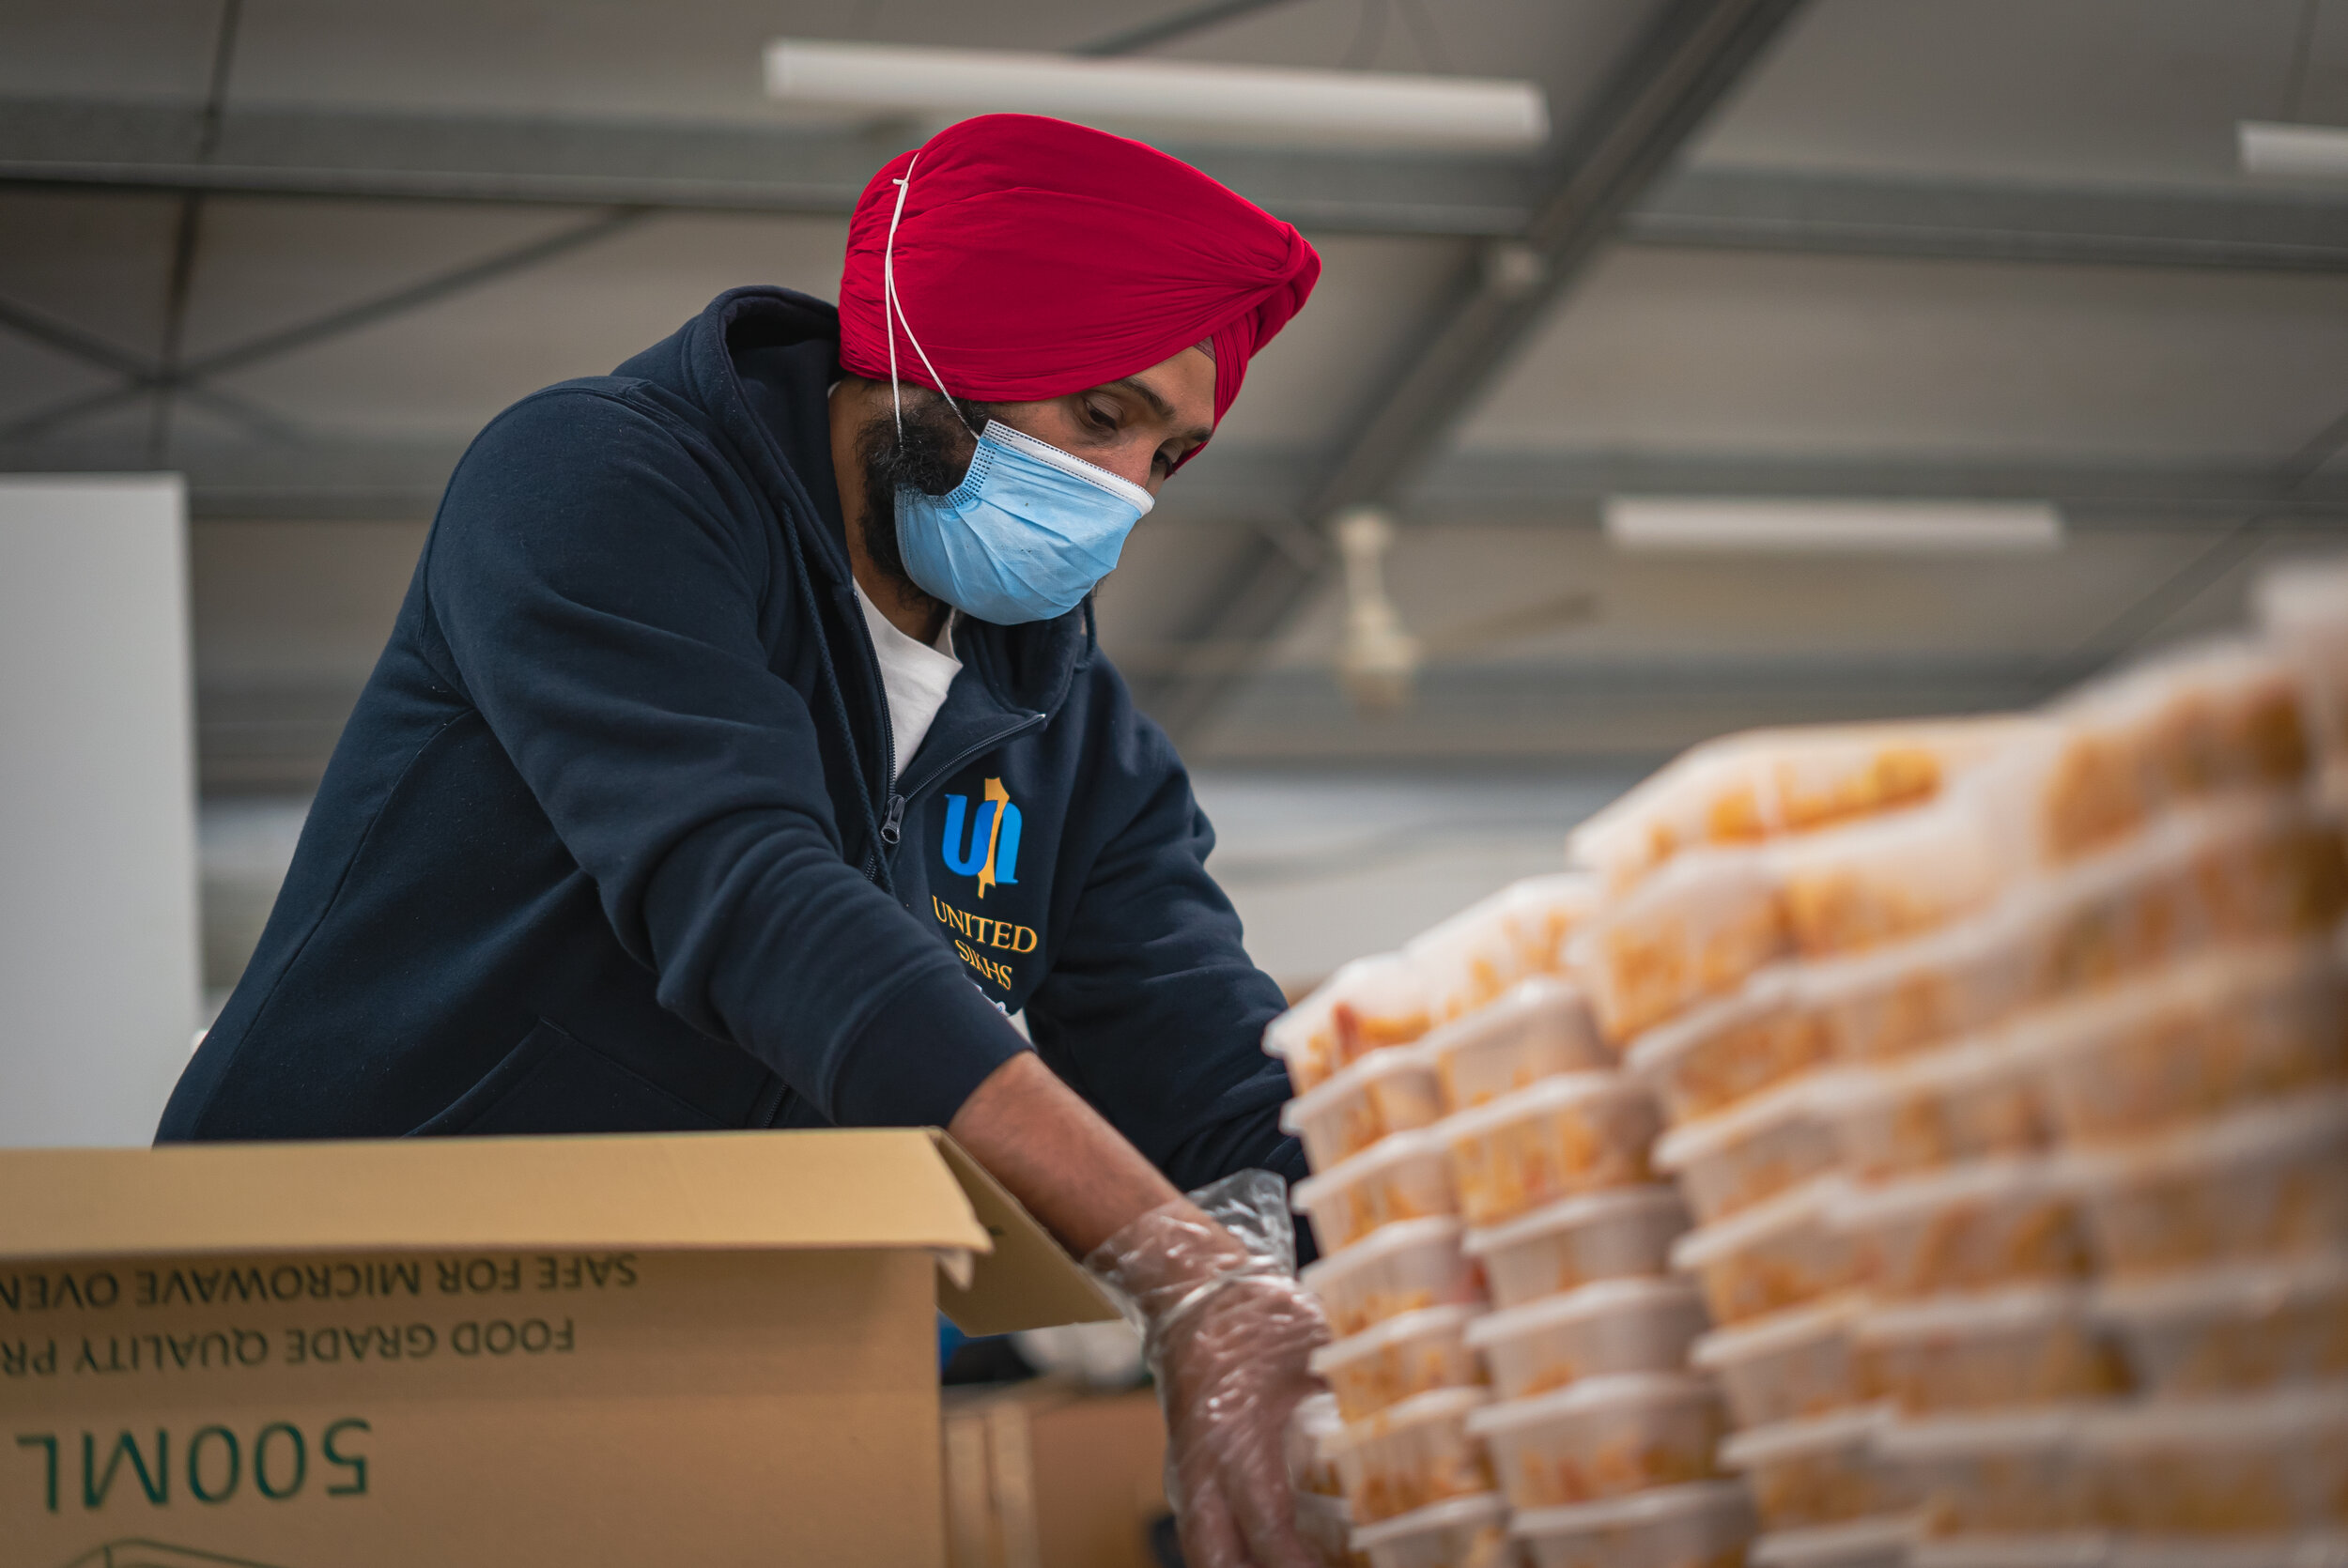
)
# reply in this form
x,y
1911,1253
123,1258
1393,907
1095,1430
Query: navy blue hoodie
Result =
x,y
610,842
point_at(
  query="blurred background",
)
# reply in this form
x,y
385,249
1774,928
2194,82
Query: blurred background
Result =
x,y
1843,251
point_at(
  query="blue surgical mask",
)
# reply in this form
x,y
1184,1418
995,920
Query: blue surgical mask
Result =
x,y
1026,534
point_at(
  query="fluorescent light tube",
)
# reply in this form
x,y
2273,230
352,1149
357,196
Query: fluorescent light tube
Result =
x,y
1832,527
1253,103
2307,151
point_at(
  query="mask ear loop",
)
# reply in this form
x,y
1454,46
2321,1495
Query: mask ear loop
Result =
x,y
894,314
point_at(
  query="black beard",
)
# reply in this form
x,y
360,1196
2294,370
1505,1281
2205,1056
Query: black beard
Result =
x,y
931,455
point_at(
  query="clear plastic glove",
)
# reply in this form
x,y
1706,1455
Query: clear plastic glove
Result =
x,y
1210,1282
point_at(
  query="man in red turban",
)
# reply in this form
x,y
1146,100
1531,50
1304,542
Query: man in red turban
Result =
x,y
743,757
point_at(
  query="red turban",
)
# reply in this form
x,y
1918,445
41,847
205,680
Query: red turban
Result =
x,y
1035,258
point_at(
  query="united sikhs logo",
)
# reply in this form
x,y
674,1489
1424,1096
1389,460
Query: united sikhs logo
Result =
x,y
991,850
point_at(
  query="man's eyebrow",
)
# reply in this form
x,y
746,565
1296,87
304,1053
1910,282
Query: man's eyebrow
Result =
x,y
1158,406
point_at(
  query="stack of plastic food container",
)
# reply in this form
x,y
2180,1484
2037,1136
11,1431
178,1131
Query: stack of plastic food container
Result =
x,y
1796,855
1473,1011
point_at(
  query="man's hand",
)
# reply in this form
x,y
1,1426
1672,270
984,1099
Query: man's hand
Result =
x,y
1225,1324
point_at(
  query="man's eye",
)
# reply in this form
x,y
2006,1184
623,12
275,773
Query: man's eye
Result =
x,y
1103,420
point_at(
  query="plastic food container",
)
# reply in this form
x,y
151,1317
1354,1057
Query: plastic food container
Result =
x,y
1969,1227
1602,1437
2251,1464
2037,1345
1406,1176
1366,1006
1401,1268
2265,1182
2230,1029
2004,1473
1411,1455
2234,1327
1879,1543
1888,1004
1313,1424
1616,1233
1695,931
1705,1525
1729,1050
1540,1029
1967,1099
1401,1357
1749,1152
2263,871
1777,1254
1884,881
1472,959
1711,796
1326,1525
1613,1326
1461,1532
1385,1092
1785,1366
2076,1549
1818,1470
1578,1133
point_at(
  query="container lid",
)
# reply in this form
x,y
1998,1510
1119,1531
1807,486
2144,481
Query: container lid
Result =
x,y
1806,1435
2265,1551
1871,1539
1317,1415
1435,1230
1591,1393
1585,1209
1397,1329
1537,1099
1950,946
1477,1509
2255,1133
1334,1511
1392,1149
1654,1052
1992,1311
2035,1429
1390,1062
1640,1508
1973,1182
2231,1288
1589,1301
1955,1063
1764,1221
1543,993
2285,1416
2065,1549
1436,1405
1368,981
1772,1108
1778,1332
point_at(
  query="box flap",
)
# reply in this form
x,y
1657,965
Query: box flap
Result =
x,y
860,1188
1029,1281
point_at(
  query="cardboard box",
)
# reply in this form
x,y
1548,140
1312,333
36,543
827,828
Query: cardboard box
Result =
x,y
1044,1475
717,1348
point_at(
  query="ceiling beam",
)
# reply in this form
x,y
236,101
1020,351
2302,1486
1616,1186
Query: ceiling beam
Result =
x,y
1661,90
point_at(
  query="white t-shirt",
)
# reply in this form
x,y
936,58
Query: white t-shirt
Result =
x,y
915,675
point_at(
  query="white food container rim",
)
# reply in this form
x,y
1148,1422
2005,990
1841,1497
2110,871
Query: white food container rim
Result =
x,y
2296,1414
1653,1506
2010,1309
1436,1405
2262,1551
1805,1203
1825,1546
1324,997
2226,1287
1399,1329
1793,1101
1317,1415
1804,1436
2252,1134
1475,1508
1959,1062
2034,1428
1585,1394
2057,1549
2010,1176
1633,1293
1657,1050
1431,1230
1835,980
1336,1509
1774,1334
1565,1214
1395,1148
1536,994
1389,1061
1542,1095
